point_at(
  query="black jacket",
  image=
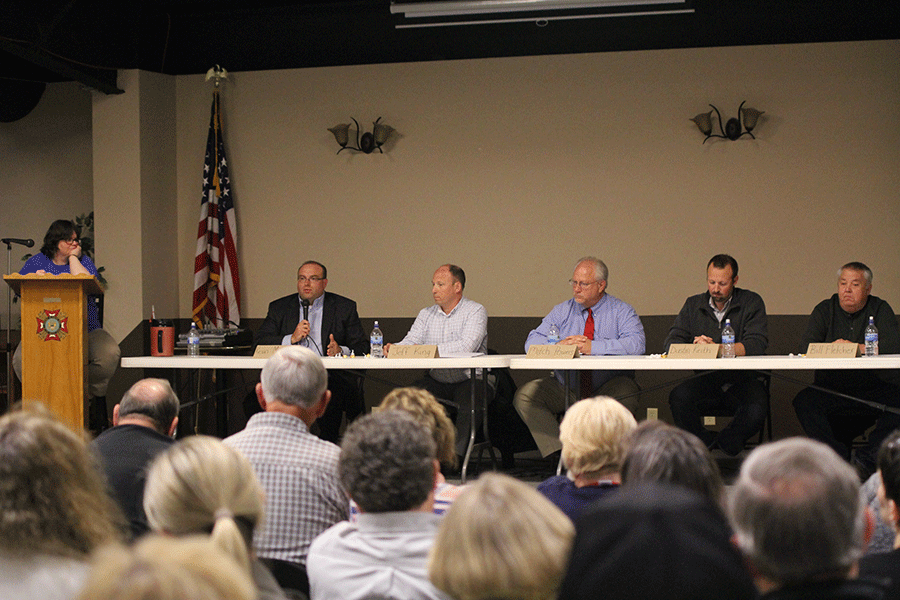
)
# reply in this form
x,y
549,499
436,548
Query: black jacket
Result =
x,y
748,318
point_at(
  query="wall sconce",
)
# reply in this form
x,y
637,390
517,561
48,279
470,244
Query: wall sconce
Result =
x,y
368,142
732,129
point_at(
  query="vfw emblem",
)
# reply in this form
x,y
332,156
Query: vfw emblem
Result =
x,y
52,325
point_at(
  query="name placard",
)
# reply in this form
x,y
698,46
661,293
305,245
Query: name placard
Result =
x,y
693,351
833,350
552,351
413,351
265,351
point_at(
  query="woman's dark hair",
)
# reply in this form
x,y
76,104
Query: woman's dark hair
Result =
x,y
889,465
60,230
656,451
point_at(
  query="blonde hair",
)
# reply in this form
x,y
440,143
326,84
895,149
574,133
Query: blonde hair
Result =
x,y
200,485
424,408
53,499
166,568
591,433
501,539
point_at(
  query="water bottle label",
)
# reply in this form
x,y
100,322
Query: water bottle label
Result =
x,y
727,339
377,339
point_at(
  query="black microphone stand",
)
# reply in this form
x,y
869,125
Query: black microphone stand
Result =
x,y
10,384
9,370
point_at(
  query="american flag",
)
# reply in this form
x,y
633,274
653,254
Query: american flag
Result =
x,y
217,284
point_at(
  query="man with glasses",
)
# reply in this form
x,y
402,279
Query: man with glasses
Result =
x,y
327,324
599,324
700,322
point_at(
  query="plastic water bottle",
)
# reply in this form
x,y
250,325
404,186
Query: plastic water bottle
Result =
x,y
376,340
553,335
871,338
193,347
728,340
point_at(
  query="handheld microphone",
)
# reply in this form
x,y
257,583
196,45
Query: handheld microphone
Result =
x,y
305,304
27,243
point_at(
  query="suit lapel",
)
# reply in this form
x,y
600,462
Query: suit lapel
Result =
x,y
327,319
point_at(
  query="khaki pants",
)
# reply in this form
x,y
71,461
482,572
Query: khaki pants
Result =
x,y
540,401
103,360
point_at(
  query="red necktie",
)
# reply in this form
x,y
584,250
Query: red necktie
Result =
x,y
587,377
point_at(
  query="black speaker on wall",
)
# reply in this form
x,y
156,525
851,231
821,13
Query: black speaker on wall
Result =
x,y
18,98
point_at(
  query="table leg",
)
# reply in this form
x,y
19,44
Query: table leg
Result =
x,y
473,426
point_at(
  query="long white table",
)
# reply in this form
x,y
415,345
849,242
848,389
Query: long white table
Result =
x,y
742,363
521,362
473,363
748,363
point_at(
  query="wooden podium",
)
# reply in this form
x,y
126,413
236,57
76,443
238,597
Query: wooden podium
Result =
x,y
54,342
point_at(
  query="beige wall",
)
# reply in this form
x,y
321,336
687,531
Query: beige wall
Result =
x,y
134,198
511,168
515,167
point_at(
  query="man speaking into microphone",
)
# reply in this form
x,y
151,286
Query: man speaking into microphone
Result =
x,y
327,324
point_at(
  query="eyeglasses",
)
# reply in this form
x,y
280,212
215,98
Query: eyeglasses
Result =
x,y
581,284
313,279
73,241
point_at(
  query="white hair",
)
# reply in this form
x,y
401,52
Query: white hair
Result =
x,y
294,375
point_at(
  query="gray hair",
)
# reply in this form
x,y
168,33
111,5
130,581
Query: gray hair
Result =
x,y
797,511
387,462
154,399
858,266
600,270
295,376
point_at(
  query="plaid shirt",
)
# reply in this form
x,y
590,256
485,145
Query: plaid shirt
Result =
x,y
463,330
298,472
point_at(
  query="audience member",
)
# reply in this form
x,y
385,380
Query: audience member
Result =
x,y
657,451
599,324
297,470
166,568
388,466
799,519
54,509
743,393
887,565
501,540
833,419
454,324
144,424
422,406
883,534
591,433
655,541
200,485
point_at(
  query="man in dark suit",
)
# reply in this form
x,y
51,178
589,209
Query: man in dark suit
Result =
x,y
328,325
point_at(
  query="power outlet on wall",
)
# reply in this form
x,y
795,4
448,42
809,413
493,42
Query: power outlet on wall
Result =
x,y
652,414
709,421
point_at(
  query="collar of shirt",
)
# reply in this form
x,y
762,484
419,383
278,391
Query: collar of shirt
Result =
x,y
441,312
595,308
720,314
278,420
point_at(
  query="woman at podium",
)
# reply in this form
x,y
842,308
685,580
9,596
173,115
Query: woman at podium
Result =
x,y
61,253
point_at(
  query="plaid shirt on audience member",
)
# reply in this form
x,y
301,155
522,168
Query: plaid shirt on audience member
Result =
x,y
298,472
